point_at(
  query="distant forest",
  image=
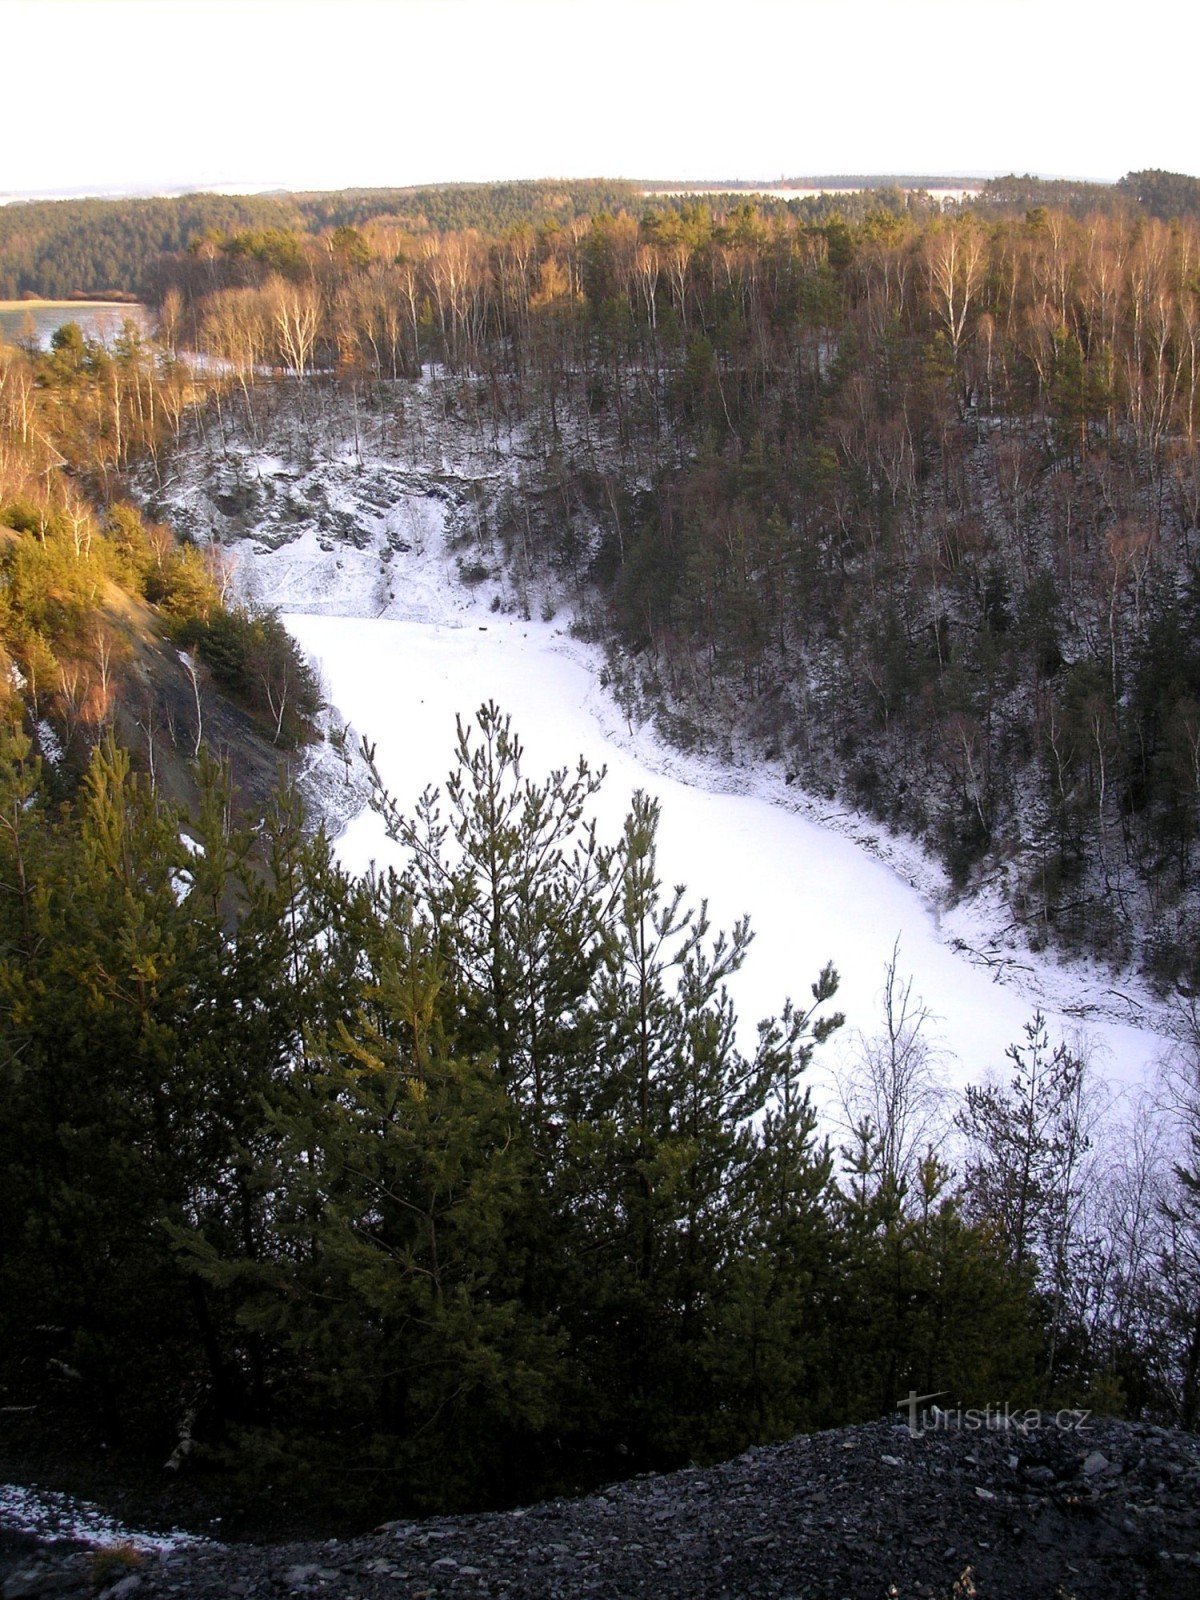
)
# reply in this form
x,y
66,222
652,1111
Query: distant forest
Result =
x,y
56,249
64,247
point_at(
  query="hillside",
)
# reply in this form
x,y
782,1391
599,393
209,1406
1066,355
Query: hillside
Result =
x,y
110,626
91,247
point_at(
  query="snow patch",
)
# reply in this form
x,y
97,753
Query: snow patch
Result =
x,y
813,893
57,1518
49,744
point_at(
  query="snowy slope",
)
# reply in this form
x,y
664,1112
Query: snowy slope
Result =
x,y
364,554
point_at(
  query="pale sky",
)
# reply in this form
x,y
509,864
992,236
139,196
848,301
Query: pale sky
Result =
x,y
134,94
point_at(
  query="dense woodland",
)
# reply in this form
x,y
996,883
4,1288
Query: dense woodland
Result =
x,y
61,248
57,249
908,504
453,1187
1167,196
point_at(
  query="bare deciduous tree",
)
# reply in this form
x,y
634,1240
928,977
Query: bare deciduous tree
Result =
x,y
893,1085
296,318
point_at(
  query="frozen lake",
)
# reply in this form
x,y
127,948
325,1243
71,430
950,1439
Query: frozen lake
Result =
x,y
99,319
812,893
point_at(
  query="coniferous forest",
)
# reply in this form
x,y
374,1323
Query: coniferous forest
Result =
x,y
451,1186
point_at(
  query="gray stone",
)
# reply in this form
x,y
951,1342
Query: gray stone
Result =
x,y
302,1576
35,1581
126,1586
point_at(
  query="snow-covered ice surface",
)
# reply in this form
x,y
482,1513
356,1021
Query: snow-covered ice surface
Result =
x,y
59,1518
813,894
364,559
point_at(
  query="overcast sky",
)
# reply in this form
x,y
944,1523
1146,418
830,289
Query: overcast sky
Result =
x,y
135,94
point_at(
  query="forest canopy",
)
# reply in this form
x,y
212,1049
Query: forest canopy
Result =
x,y
63,248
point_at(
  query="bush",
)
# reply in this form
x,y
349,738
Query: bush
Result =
x,y
253,657
182,584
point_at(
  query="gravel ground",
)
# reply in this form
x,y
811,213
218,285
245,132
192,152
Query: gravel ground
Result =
x,y
1103,1509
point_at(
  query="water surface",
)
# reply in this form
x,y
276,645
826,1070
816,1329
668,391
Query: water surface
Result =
x,y
99,319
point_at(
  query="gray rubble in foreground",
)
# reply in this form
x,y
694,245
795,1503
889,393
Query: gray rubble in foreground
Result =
x,y
1109,1509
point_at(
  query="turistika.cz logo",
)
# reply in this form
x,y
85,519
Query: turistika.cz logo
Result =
x,y
925,1417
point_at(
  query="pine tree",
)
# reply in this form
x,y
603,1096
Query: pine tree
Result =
x,y
99,1109
514,881
1025,1146
1025,1173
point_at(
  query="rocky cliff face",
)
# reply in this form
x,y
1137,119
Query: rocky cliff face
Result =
x,y
1096,1509
325,510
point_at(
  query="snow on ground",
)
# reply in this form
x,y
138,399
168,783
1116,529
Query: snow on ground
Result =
x,y
49,743
59,1518
312,573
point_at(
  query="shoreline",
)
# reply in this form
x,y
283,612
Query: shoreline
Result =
x,y
65,305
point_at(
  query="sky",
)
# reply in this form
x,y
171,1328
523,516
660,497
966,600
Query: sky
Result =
x,y
129,95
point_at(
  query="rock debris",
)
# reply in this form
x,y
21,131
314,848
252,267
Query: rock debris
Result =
x,y
1107,1510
